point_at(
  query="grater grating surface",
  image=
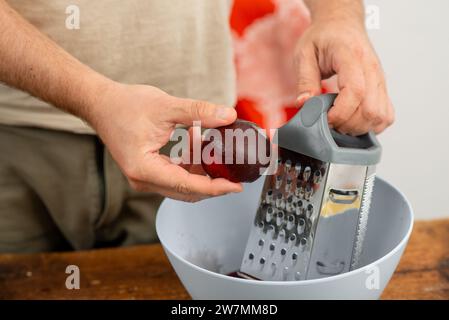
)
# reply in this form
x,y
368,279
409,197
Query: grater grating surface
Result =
x,y
280,242
311,220
313,212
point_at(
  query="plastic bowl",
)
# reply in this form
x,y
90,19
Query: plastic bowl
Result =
x,y
206,240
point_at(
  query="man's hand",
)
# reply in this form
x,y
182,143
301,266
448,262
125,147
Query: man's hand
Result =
x,y
135,122
337,43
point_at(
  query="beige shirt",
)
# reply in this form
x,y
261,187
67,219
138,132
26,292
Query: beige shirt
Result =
x,y
180,46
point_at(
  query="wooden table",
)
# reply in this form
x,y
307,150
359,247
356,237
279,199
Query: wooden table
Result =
x,y
144,272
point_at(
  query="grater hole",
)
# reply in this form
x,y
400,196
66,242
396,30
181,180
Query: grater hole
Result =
x,y
288,163
310,208
317,176
278,182
283,251
294,256
251,256
301,225
306,174
282,233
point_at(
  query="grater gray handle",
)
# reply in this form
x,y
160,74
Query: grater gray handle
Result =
x,y
308,133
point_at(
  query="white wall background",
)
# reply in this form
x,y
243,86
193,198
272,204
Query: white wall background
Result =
x,y
413,45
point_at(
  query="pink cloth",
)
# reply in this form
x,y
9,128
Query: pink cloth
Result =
x,y
265,36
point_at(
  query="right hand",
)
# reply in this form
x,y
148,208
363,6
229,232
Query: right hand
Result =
x,y
340,45
136,121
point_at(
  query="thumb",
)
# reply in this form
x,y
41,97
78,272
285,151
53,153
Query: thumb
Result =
x,y
309,75
185,111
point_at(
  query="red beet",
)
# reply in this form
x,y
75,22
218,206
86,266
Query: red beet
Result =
x,y
246,149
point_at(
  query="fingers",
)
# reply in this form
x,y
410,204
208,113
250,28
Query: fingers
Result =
x,y
356,125
185,111
389,119
351,83
375,111
148,187
309,74
366,115
173,181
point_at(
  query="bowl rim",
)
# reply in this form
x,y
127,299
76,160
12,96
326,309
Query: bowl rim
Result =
x,y
392,252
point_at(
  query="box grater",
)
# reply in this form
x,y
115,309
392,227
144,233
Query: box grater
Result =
x,y
313,211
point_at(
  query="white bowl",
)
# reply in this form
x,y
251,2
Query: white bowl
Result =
x,y
206,240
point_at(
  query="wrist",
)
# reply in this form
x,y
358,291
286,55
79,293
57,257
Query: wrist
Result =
x,y
96,91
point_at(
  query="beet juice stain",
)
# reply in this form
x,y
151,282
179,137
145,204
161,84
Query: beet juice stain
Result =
x,y
244,172
241,275
235,274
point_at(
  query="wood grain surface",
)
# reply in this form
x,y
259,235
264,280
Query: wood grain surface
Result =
x,y
143,272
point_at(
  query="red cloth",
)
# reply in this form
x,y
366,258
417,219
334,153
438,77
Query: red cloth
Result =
x,y
265,33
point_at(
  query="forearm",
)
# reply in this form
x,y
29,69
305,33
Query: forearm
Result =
x,y
32,62
336,10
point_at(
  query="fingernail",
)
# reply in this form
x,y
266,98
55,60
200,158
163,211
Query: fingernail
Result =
x,y
302,98
224,113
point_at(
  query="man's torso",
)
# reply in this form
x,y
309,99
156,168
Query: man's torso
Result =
x,y
182,47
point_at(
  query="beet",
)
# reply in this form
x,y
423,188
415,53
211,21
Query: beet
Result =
x,y
240,149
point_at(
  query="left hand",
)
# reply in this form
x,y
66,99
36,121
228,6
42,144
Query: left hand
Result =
x,y
342,47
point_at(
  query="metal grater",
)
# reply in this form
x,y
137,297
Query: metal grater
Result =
x,y
313,211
